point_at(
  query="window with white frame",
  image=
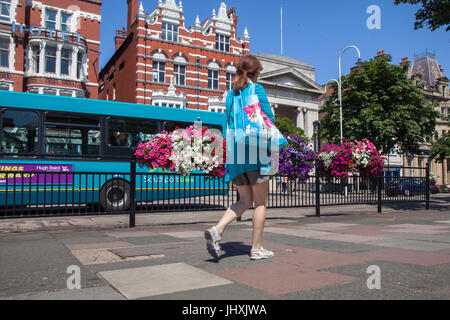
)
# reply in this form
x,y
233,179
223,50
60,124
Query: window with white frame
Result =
x,y
50,59
65,22
66,61
4,52
169,32
213,79
35,58
222,42
218,109
180,74
5,10
50,19
229,81
159,71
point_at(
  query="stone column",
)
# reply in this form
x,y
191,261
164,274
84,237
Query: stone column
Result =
x,y
58,59
42,45
300,118
73,72
308,125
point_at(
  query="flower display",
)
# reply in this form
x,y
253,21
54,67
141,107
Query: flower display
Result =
x,y
352,157
155,154
194,149
367,158
336,160
296,159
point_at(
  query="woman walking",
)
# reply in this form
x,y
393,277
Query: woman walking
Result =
x,y
251,185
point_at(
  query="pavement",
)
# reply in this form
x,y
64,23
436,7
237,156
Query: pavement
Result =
x,y
350,252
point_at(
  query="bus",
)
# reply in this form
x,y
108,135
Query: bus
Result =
x,y
65,152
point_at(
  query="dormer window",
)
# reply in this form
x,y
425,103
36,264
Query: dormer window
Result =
x,y
169,32
222,43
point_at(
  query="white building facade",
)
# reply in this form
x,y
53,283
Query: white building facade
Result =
x,y
292,90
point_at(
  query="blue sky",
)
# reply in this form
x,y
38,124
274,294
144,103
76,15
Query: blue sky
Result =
x,y
314,31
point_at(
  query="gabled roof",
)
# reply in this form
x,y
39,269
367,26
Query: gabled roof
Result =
x,y
295,74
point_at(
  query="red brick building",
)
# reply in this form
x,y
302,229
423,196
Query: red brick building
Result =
x,y
161,61
50,46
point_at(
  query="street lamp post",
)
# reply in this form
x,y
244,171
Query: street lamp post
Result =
x,y
340,84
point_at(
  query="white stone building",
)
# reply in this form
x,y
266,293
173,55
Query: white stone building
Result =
x,y
292,89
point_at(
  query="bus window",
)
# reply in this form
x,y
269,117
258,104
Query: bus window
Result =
x,y
170,126
130,132
72,134
63,141
93,147
18,131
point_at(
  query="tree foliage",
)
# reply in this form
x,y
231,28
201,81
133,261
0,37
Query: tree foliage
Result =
x,y
435,13
380,103
440,149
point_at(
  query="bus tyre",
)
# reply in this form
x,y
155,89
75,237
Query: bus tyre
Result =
x,y
115,196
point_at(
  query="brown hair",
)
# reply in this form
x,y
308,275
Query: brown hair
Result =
x,y
248,68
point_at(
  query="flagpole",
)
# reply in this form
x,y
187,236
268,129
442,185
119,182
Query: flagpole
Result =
x,y
281,9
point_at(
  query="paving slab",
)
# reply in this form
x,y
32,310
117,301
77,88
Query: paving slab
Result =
x,y
101,245
411,244
225,292
416,231
161,279
33,266
443,221
154,239
407,256
129,234
161,248
185,234
350,238
297,232
409,277
312,259
84,237
423,237
95,293
281,278
418,226
326,245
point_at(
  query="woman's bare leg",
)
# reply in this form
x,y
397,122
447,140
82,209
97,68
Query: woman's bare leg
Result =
x,y
260,192
237,209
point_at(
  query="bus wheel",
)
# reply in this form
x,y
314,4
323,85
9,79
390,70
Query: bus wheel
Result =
x,y
115,196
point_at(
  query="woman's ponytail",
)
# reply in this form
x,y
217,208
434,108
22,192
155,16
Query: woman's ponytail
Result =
x,y
248,68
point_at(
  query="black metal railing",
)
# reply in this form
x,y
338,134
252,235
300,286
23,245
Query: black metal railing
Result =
x,y
38,194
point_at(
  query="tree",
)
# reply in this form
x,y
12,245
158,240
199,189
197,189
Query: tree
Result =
x,y
380,103
440,150
286,127
436,13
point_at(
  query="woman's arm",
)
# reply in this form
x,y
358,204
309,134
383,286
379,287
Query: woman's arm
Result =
x,y
264,102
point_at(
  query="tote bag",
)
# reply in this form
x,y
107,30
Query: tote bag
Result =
x,y
251,124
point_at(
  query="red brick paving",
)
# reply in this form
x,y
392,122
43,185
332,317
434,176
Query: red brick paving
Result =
x,y
280,278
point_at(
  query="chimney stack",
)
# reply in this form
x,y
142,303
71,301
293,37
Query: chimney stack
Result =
x,y
120,37
133,9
